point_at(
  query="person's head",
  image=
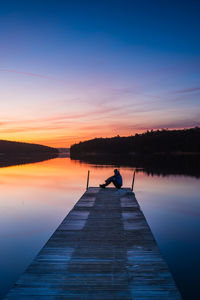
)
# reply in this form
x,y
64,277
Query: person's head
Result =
x,y
116,171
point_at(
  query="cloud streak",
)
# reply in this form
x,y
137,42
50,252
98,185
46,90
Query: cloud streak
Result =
x,y
187,91
32,75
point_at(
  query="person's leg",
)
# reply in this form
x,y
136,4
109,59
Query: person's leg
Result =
x,y
107,182
116,184
110,180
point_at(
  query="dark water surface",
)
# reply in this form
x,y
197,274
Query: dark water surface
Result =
x,y
36,197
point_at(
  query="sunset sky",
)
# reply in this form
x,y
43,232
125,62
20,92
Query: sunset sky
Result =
x,y
73,70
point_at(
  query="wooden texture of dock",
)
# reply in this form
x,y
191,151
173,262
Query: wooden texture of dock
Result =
x,y
103,249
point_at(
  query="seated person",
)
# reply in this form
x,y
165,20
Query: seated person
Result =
x,y
116,180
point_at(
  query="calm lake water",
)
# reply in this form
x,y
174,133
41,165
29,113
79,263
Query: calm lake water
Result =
x,y
36,197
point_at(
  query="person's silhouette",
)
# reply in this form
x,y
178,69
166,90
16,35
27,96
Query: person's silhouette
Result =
x,y
116,180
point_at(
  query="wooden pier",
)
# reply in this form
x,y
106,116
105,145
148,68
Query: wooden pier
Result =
x,y
104,249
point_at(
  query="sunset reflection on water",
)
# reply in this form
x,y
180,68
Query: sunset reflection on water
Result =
x,y
36,197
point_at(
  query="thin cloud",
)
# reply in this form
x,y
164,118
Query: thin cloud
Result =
x,y
172,125
186,91
32,75
69,117
59,122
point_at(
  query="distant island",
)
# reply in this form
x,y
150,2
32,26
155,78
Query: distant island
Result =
x,y
15,153
159,142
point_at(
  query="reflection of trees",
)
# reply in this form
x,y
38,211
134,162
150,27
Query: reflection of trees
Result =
x,y
12,161
14,153
151,164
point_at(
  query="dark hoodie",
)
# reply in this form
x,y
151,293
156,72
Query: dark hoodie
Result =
x,y
118,178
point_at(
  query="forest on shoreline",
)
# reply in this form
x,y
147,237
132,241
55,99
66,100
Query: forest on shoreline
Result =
x,y
16,153
159,142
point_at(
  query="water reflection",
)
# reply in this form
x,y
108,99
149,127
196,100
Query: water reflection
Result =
x,y
36,197
151,164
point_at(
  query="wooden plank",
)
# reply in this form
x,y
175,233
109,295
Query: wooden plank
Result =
x,y
103,249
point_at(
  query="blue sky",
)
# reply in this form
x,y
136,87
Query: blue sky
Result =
x,y
74,70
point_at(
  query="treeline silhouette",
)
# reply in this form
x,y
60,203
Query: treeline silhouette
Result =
x,y
15,153
150,142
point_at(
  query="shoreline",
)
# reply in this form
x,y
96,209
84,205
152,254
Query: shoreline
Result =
x,y
8,160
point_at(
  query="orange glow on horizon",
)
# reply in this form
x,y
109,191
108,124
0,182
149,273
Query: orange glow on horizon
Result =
x,y
60,141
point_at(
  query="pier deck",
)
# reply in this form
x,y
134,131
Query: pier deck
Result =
x,y
103,249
